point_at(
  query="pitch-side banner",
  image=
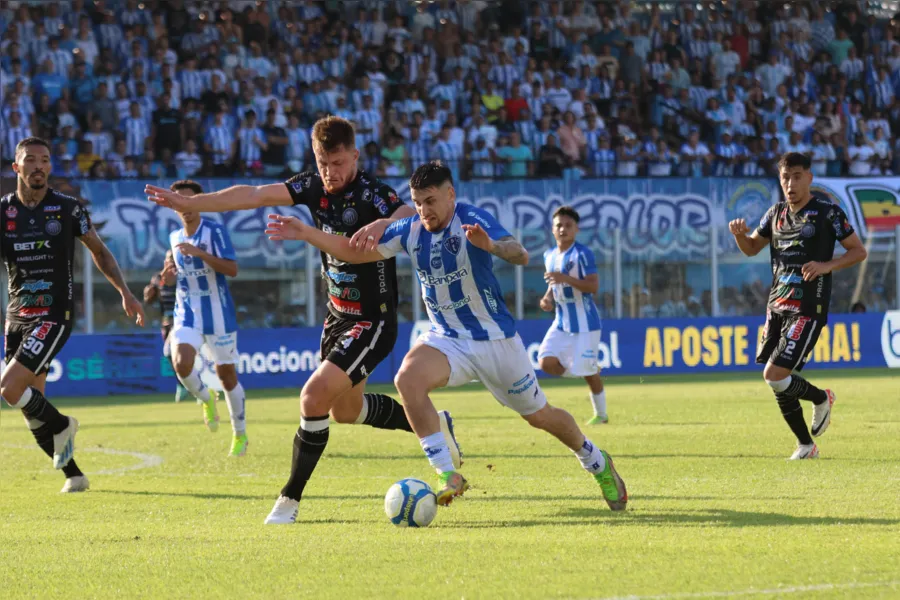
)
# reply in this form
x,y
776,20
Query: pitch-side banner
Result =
x,y
101,365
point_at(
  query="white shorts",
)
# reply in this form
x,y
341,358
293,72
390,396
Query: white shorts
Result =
x,y
222,347
502,366
577,352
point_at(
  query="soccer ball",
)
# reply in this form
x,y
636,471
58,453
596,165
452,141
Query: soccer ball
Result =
x,y
410,503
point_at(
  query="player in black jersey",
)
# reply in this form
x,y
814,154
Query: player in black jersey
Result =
x,y
801,233
38,227
361,325
162,288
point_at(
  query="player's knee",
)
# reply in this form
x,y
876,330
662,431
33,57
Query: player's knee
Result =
x,y
317,397
776,377
551,366
228,376
12,388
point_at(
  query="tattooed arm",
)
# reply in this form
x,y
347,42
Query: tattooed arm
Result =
x,y
510,250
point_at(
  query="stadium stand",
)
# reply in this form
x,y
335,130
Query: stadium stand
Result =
x,y
165,88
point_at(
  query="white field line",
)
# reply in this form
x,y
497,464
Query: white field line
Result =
x,y
147,461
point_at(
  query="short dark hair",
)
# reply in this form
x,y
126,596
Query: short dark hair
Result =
x,y
789,160
431,174
567,211
186,184
331,133
32,141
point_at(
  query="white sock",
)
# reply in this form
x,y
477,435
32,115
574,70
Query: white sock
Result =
x,y
435,447
599,402
195,386
236,400
24,400
591,458
363,413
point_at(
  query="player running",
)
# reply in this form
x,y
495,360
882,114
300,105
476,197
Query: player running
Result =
x,y
204,312
39,226
361,323
473,335
801,233
163,289
570,347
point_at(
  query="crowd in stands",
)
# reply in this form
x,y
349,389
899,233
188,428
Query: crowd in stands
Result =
x,y
166,88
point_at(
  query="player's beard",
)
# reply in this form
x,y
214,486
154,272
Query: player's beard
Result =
x,y
37,186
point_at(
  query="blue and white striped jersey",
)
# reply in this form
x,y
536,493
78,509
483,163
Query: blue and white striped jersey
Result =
x,y
203,301
575,310
461,292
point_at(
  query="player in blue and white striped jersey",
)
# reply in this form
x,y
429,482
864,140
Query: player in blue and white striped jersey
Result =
x,y
570,347
204,313
473,336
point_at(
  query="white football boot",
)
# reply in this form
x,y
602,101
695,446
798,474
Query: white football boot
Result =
x,y
284,512
822,414
805,451
79,483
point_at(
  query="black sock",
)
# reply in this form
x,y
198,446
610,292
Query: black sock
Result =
x,y
308,448
40,409
793,415
44,439
804,390
386,413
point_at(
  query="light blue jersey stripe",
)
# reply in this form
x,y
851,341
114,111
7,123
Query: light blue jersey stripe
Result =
x,y
576,311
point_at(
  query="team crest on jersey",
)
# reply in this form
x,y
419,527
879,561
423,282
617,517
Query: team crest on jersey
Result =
x,y
202,246
349,217
808,230
568,267
11,212
53,227
452,244
297,187
323,203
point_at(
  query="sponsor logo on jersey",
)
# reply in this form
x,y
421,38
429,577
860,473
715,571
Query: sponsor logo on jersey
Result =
x,y
431,280
11,212
323,203
796,330
34,312
42,331
452,244
53,227
381,205
349,308
10,225
367,195
785,244
788,305
790,279
522,385
433,306
297,187
38,245
53,208
491,301
37,286
339,277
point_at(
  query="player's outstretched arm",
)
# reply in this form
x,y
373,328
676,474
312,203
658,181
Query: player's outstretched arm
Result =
x,y
508,248
280,228
237,197
750,245
367,237
108,265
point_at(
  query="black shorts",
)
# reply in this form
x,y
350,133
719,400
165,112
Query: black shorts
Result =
x,y
357,347
36,344
788,341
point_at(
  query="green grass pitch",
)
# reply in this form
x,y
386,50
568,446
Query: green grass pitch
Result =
x,y
715,508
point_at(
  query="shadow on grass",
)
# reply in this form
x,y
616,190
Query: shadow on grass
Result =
x,y
580,517
214,496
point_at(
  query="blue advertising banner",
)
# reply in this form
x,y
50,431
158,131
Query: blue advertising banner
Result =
x,y
663,217
100,365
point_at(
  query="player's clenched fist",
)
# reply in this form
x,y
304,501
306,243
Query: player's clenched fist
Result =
x,y
280,228
738,227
